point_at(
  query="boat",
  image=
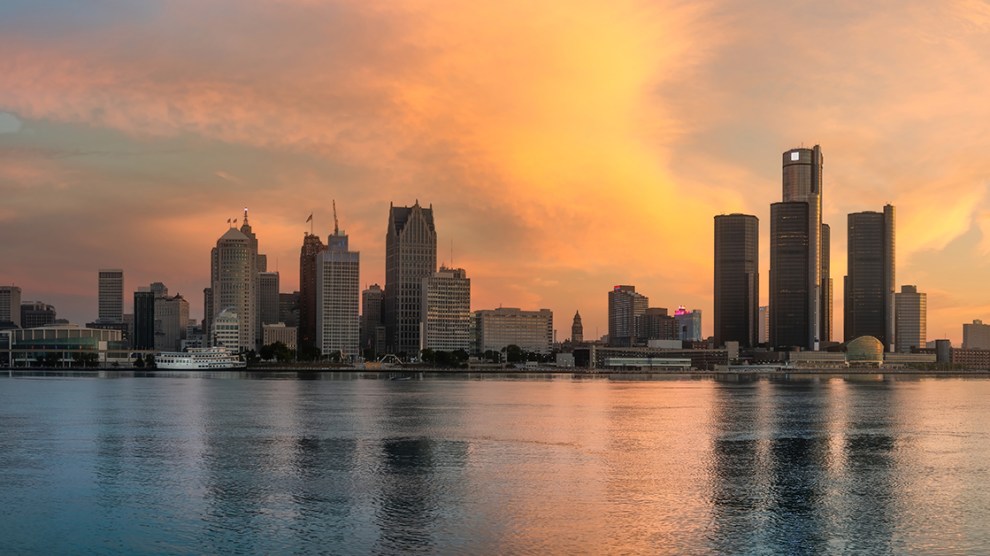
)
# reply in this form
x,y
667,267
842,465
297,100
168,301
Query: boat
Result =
x,y
211,358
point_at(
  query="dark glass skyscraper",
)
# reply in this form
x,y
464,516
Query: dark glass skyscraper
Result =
x,y
737,283
410,256
869,285
144,319
311,247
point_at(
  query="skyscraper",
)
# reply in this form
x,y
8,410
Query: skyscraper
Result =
x,y
911,318
235,280
737,282
410,256
446,310
577,329
111,295
625,307
311,247
799,275
10,305
35,314
371,318
869,284
268,300
338,290
171,320
144,319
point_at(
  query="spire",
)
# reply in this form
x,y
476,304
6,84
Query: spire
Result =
x,y
336,227
245,215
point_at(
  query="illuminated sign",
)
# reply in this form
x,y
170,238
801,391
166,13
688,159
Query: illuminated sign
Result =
x,y
795,155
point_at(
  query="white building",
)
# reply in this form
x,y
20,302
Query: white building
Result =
x,y
227,330
338,293
279,332
446,311
235,280
530,330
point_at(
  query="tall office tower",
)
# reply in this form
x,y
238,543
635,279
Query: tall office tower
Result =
x,y
171,320
208,316
764,324
656,324
497,329
235,280
975,335
869,285
688,324
288,309
625,308
144,319
410,256
446,310
825,318
911,318
371,318
10,305
268,300
577,329
798,273
35,314
311,247
737,279
260,265
111,295
338,291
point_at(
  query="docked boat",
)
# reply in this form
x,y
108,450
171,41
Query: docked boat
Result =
x,y
212,358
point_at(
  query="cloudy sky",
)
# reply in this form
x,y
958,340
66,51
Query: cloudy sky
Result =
x,y
565,146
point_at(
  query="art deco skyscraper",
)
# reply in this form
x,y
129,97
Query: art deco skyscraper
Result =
x,y
338,290
410,256
869,286
800,308
235,279
737,282
111,295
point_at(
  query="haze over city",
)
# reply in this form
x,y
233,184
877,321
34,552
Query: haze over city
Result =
x,y
565,147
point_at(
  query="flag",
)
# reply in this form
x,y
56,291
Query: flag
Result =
x,y
310,217
228,221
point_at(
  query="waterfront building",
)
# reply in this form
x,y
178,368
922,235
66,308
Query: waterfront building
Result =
x,y
171,319
312,246
870,282
911,318
279,332
65,345
144,319
338,287
737,283
657,324
976,335
764,324
688,324
10,305
800,282
410,256
625,307
35,314
495,329
111,295
235,280
227,330
446,311
371,319
577,329
268,299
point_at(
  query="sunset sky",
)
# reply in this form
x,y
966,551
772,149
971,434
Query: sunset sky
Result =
x,y
566,146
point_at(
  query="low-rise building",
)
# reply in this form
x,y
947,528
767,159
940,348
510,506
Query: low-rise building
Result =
x,y
496,329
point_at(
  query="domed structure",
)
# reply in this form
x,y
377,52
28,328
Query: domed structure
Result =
x,y
865,351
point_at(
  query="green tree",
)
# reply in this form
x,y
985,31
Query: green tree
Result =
x,y
514,354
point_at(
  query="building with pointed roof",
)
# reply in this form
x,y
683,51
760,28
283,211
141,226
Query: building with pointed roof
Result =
x,y
410,256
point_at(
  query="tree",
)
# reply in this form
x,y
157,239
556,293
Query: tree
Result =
x,y
267,352
514,354
139,362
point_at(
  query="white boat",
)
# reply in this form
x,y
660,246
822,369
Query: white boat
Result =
x,y
199,358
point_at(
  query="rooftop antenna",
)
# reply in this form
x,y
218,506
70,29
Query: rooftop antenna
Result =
x,y
336,228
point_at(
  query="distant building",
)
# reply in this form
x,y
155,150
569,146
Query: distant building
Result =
x,y
764,325
35,314
870,283
62,345
577,329
111,295
410,256
338,287
235,284
311,248
656,324
159,289
171,320
144,319
10,305
737,279
227,330
279,332
688,324
495,329
268,297
288,309
372,324
976,335
446,310
911,318
625,307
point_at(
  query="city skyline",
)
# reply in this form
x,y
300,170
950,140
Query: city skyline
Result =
x,y
624,130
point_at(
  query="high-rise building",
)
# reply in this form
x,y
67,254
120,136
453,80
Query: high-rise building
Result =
x,y
869,284
159,289
338,291
10,305
764,325
911,318
268,300
825,318
35,314
657,324
446,310
975,335
371,318
235,281
800,308
288,309
111,295
171,321
737,282
144,319
688,324
311,247
577,329
496,329
625,307
410,256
